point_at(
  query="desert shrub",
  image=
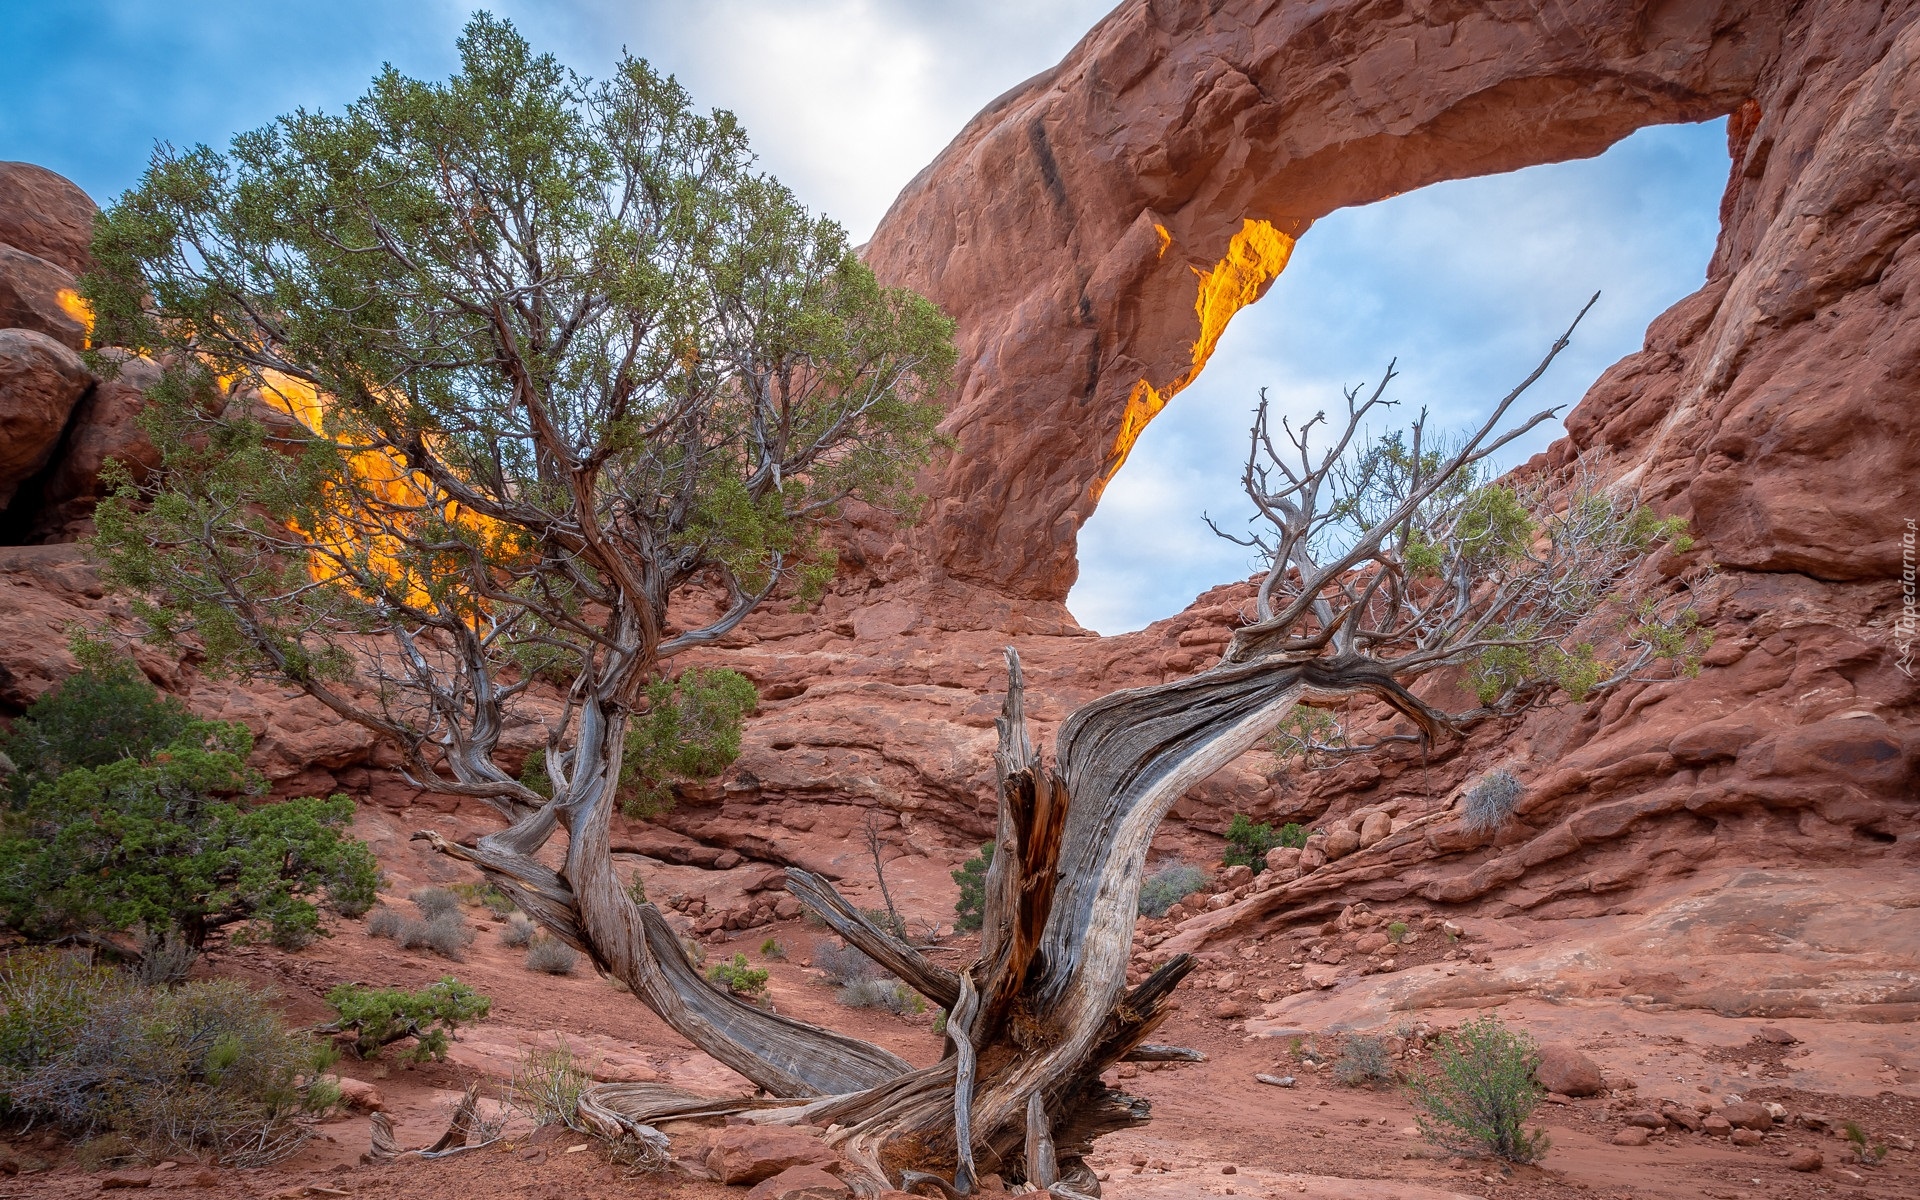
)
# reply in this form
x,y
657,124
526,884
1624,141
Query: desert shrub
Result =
x,y
1363,1060
845,964
484,895
170,841
1248,843
446,935
637,889
517,932
1397,932
886,992
104,712
1167,886
771,948
691,730
739,978
379,1017
972,878
1482,1094
1865,1151
205,1068
548,1083
165,959
1491,801
384,922
435,901
552,956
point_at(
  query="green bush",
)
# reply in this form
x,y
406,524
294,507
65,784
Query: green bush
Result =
x,y
1247,843
1397,932
1168,886
379,1017
771,948
691,730
972,878
167,842
205,1068
1483,1094
104,712
740,978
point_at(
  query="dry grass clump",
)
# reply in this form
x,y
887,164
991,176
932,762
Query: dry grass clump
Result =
x,y
552,956
517,932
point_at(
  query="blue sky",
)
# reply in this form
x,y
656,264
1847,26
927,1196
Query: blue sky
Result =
x,y
1466,283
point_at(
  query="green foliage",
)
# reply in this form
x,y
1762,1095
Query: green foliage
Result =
x,y
379,1017
637,889
1866,1152
1248,843
169,842
771,948
1396,932
103,712
1305,731
484,895
1482,1094
1169,885
691,730
564,305
740,978
971,907
205,1068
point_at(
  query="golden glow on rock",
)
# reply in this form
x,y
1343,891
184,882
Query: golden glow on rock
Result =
x,y
375,536
1255,257
1166,239
75,306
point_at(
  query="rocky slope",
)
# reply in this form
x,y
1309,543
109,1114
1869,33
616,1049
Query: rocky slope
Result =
x,y
1063,228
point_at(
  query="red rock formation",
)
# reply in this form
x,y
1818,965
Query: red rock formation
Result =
x,y
1063,227
46,216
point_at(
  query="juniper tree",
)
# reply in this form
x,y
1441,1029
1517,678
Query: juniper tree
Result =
x,y
468,381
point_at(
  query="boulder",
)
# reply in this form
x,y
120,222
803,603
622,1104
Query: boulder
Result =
x,y
35,294
1715,1125
1748,1115
1282,858
1806,1160
1566,1070
1370,942
359,1095
804,1182
40,382
1748,1137
1235,876
751,1153
46,216
1341,842
1632,1135
1377,826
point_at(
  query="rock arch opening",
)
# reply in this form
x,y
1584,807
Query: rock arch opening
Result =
x,y
1464,283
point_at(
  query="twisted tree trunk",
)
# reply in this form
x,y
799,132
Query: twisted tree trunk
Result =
x,y
1033,1022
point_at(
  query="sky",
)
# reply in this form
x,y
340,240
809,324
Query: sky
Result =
x,y
1465,283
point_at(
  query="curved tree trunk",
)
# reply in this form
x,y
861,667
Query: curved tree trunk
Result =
x,y
1033,1022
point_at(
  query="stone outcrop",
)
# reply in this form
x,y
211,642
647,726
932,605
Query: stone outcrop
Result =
x,y
1092,230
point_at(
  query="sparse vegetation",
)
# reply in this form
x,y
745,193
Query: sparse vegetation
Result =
x,y
843,964
484,895
384,922
552,956
1865,1152
637,889
885,992
379,1017
447,935
771,948
165,959
547,1085
517,932
971,907
1490,802
1363,1061
435,901
1397,932
1169,885
1483,1093
740,978
205,1068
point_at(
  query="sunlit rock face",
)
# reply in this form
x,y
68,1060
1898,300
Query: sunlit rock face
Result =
x,y
1094,230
